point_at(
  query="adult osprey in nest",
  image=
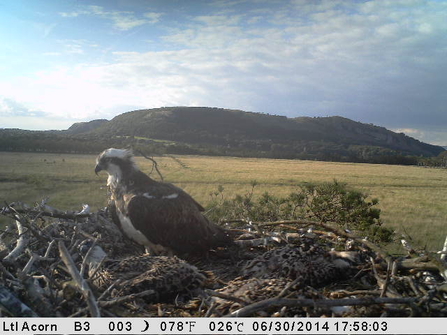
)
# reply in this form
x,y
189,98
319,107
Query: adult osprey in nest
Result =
x,y
160,216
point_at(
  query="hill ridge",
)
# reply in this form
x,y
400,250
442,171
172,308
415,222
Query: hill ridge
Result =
x,y
229,132
225,127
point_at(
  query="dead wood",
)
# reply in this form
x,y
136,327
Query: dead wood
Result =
x,y
42,210
154,163
80,282
13,306
227,297
37,297
22,243
423,263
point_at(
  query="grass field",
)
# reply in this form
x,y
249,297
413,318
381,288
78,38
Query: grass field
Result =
x,y
412,199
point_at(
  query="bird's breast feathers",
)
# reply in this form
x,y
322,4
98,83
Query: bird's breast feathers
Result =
x,y
130,230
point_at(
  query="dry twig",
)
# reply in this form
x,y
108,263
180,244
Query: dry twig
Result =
x,y
80,282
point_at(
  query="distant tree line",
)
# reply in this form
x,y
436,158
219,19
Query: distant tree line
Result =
x,y
440,161
61,142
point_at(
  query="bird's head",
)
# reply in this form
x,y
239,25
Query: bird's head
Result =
x,y
115,162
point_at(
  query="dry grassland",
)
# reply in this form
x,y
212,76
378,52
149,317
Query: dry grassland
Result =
x,y
412,199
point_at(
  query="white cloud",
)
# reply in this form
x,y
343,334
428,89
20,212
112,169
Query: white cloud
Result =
x,y
71,14
71,47
153,17
211,31
410,132
122,20
10,107
218,20
52,54
35,123
434,135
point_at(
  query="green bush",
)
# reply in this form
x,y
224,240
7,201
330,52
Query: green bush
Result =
x,y
327,202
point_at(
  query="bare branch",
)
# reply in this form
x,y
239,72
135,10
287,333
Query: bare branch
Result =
x,y
36,297
154,163
34,257
126,298
43,211
116,301
80,282
444,251
227,297
13,306
22,243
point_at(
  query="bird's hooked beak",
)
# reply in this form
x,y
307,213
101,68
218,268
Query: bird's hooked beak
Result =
x,y
98,168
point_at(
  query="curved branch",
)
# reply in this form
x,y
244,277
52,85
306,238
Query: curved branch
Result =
x,y
22,243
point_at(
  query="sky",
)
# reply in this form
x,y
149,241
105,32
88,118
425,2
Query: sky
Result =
x,y
381,61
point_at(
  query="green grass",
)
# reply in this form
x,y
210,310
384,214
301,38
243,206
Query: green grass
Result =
x,y
412,199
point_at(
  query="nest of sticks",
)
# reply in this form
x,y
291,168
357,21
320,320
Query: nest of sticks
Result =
x,y
43,274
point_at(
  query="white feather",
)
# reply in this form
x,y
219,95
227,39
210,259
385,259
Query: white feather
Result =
x,y
130,230
115,175
85,209
118,153
171,196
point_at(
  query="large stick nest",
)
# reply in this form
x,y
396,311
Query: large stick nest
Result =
x,y
42,273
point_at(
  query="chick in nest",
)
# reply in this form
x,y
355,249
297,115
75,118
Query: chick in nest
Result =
x,y
310,264
166,276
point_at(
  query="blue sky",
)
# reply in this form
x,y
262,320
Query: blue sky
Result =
x,y
381,62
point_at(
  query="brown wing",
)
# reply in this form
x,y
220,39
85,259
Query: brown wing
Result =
x,y
168,216
172,189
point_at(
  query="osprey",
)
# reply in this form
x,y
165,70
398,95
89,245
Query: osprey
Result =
x,y
307,263
160,216
165,276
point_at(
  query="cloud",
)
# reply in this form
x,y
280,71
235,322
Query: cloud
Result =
x,y
10,107
14,114
52,54
122,20
434,135
76,46
153,17
375,61
410,132
72,46
35,123
210,31
45,29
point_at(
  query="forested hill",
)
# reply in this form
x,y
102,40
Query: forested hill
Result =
x,y
235,130
216,131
